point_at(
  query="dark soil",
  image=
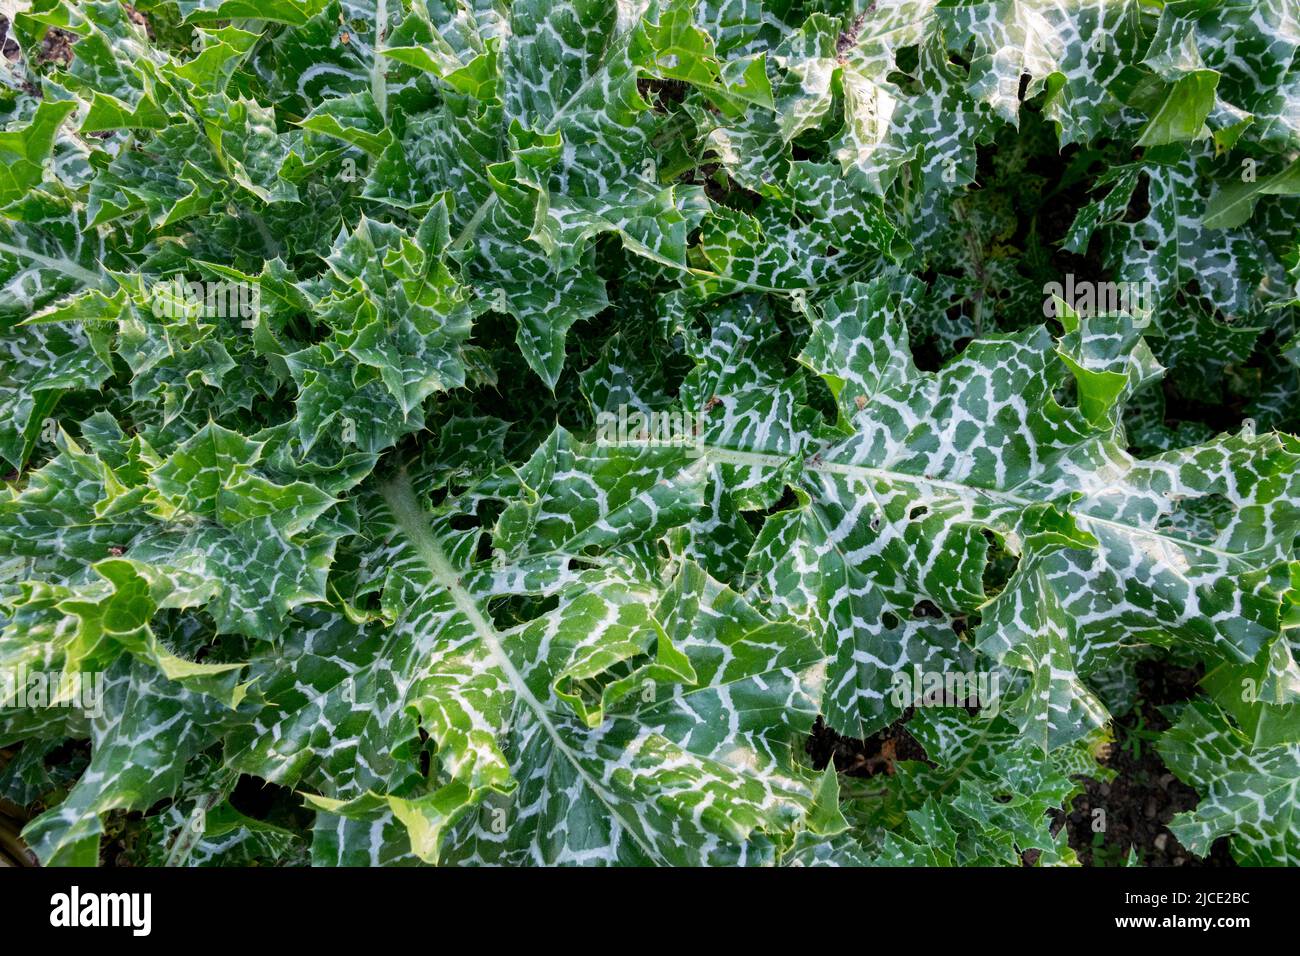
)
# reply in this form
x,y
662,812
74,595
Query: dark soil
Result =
x,y
1144,796
863,758
140,19
661,94
56,47
8,45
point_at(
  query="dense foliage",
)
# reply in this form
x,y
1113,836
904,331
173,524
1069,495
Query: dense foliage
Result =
x,y
339,343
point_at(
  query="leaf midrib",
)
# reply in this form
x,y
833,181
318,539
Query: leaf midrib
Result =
x,y
61,263
760,459
411,521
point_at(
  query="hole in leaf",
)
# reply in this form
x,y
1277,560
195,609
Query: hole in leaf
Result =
x,y
256,798
1139,204
786,502
513,611
926,356
999,566
926,608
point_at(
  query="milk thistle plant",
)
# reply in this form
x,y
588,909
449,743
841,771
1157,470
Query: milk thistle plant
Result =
x,y
483,432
